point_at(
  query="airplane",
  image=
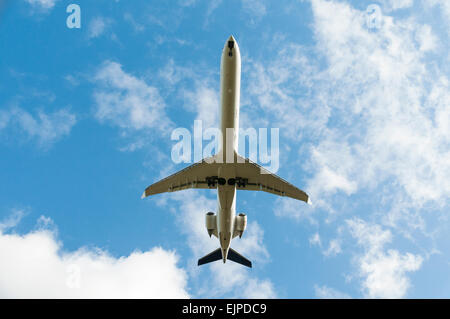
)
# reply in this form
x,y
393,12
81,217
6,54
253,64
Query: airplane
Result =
x,y
235,173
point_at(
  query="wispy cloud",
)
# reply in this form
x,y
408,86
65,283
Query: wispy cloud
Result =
x,y
383,272
444,9
212,6
369,110
128,102
325,292
97,26
44,5
198,91
45,128
390,5
387,131
255,8
12,220
205,102
138,27
315,240
334,248
370,102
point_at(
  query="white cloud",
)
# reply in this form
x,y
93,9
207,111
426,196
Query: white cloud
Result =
x,y
42,4
73,80
315,240
258,289
173,73
138,27
426,39
334,248
34,265
256,8
390,5
277,87
212,6
4,119
187,3
292,208
46,128
443,3
444,9
127,101
205,101
383,272
334,165
199,95
97,26
387,116
325,292
368,106
12,220
369,110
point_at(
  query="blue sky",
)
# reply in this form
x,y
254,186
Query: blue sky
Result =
x,y
360,95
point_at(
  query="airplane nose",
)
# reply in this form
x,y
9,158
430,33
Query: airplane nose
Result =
x,y
231,45
230,42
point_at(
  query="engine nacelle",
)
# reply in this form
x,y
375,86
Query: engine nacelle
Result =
x,y
211,223
240,223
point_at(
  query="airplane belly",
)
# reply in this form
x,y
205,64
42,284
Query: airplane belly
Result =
x,y
230,82
226,198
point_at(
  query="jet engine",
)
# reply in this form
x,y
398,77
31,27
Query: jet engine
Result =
x,y
240,223
211,223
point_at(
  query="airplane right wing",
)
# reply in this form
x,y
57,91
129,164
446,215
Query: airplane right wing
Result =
x,y
252,176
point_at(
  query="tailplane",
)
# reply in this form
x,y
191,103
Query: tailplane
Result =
x,y
238,258
232,255
214,256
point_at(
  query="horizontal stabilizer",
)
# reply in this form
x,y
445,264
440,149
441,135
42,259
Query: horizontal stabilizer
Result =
x,y
238,258
214,256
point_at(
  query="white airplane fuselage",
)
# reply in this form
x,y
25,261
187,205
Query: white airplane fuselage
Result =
x,y
230,83
227,170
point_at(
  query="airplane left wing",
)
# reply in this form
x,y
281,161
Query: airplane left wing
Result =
x,y
194,176
251,176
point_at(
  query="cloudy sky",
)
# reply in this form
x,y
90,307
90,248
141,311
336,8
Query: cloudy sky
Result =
x,y
358,89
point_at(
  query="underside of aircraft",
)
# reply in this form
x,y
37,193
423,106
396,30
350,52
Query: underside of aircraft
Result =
x,y
227,171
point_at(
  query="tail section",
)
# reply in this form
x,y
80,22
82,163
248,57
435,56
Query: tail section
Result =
x,y
214,256
232,255
238,258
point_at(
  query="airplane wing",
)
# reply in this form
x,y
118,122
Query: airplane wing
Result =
x,y
252,176
249,176
194,176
